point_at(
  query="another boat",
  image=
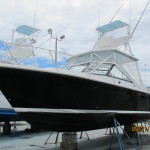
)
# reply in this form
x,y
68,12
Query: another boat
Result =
x,y
106,85
7,113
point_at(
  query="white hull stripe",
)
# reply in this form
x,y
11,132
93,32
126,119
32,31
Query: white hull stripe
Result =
x,y
77,111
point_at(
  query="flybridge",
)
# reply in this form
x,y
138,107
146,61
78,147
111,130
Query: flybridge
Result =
x,y
22,46
115,39
110,56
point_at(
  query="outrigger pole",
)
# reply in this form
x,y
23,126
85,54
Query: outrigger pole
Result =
x,y
139,19
117,12
113,17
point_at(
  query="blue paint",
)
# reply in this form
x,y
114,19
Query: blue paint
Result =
x,y
111,26
7,112
26,30
9,115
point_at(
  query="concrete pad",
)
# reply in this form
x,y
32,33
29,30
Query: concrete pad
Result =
x,y
35,141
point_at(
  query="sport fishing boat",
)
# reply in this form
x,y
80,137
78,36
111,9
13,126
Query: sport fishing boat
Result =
x,y
93,87
7,114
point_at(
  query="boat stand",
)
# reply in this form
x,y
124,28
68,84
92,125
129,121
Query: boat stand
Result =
x,y
56,140
14,130
109,131
121,145
139,136
81,135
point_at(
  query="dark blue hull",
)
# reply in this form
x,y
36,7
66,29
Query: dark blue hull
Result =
x,y
46,90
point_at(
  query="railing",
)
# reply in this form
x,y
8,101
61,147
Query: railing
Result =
x,y
9,51
16,53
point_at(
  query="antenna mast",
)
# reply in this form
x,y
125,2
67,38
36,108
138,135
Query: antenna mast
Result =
x,y
139,19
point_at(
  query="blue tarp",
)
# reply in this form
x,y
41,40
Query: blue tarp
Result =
x,y
27,30
111,26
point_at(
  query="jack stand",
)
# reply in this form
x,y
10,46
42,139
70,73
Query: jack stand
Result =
x,y
139,136
56,140
147,130
84,137
116,124
14,130
110,131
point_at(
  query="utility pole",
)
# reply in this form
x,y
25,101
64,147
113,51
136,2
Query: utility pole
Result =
x,y
56,39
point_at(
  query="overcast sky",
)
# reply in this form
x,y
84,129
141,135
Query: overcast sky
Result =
x,y
77,20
